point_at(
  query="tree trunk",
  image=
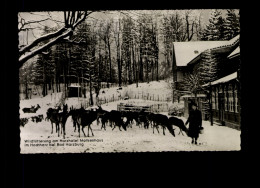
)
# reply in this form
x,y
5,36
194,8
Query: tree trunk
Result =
x,y
99,65
44,80
119,71
90,89
152,68
59,86
26,89
147,73
133,59
49,85
106,63
110,64
136,66
129,65
157,68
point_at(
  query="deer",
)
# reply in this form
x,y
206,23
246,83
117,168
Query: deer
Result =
x,y
178,123
23,121
115,118
75,114
62,118
58,118
50,115
85,119
162,120
102,115
32,109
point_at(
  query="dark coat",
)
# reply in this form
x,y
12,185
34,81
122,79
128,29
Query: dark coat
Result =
x,y
195,122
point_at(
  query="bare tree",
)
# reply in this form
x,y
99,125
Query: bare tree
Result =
x,y
71,20
117,30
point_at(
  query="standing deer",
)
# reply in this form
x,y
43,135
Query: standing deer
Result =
x,y
51,115
85,119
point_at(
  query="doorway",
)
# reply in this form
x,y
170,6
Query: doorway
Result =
x,y
221,107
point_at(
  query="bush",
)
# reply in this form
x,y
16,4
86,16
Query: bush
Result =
x,y
176,109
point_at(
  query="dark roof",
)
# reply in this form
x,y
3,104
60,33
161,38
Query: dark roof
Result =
x,y
235,53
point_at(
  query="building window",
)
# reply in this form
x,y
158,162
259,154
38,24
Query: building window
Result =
x,y
236,100
230,98
217,98
225,98
213,100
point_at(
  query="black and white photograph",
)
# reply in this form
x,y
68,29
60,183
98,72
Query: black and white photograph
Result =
x,y
112,81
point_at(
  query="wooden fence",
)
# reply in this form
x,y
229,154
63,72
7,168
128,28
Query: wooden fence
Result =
x,y
148,108
132,108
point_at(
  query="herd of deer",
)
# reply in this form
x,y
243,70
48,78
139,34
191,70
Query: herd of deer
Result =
x,y
84,118
32,109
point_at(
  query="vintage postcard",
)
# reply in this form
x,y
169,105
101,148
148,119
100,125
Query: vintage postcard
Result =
x,y
129,81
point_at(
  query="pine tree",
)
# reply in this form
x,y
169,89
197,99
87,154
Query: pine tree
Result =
x,y
208,72
39,73
215,29
25,76
232,25
208,67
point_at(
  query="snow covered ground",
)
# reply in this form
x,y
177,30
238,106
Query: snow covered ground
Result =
x,y
135,139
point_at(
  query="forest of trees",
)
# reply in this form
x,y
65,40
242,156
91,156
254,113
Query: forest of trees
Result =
x,y
122,51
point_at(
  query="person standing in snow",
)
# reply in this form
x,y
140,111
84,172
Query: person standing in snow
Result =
x,y
195,123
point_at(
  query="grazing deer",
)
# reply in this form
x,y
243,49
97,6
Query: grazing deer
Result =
x,y
178,123
115,118
163,120
32,109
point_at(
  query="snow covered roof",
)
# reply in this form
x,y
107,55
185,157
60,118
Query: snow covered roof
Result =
x,y
224,79
74,85
235,52
185,52
235,39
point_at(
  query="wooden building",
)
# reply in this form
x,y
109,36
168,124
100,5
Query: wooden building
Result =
x,y
225,101
74,91
224,92
185,56
190,99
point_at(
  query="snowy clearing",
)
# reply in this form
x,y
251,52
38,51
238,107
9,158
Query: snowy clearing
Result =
x,y
135,139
